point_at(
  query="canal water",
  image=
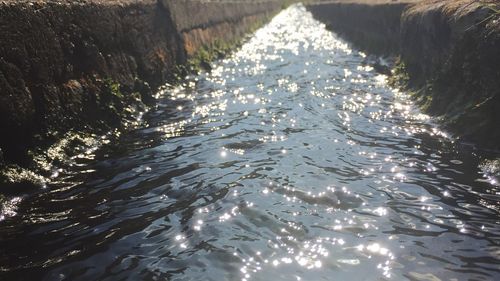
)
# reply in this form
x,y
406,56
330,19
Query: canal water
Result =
x,y
291,160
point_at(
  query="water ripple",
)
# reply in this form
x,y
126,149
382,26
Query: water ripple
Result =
x,y
291,160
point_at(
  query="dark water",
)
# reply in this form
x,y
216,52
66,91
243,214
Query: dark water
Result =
x,y
291,160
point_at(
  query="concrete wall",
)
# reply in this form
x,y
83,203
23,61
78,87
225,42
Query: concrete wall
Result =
x,y
203,22
449,51
72,65
370,25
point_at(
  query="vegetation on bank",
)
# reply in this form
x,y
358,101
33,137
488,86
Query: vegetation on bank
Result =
x,y
401,79
113,111
209,53
450,62
216,50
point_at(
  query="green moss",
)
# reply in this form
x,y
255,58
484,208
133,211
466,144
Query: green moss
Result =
x,y
209,53
218,49
400,77
424,100
119,104
113,88
60,152
13,174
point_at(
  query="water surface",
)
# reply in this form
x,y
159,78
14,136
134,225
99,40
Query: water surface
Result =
x,y
291,160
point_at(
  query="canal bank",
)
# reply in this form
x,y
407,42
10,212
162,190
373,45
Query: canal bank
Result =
x,y
448,55
91,66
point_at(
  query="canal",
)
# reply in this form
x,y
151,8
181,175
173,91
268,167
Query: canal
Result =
x,y
292,159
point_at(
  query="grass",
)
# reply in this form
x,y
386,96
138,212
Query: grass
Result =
x,y
495,13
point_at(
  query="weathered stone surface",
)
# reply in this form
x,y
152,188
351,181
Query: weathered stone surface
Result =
x,y
201,23
449,50
371,25
74,65
55,64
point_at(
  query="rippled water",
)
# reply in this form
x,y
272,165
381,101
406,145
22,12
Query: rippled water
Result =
x,y
291,160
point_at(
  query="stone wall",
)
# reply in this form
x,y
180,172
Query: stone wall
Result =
x,y
451,51
86,65
448,55
373,26
202,23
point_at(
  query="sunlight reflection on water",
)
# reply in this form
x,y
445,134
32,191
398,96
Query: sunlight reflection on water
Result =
x,y
291,160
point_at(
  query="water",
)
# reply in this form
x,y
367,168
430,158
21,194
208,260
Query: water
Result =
x,y
291,160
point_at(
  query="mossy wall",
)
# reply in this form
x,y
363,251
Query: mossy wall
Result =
x,y
448,55
451,51
370,27
84,66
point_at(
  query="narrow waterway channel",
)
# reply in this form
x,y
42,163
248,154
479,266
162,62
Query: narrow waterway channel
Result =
x,y
291,160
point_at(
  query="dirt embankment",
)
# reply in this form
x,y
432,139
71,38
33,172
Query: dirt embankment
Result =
x,y
87,65
449,55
